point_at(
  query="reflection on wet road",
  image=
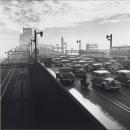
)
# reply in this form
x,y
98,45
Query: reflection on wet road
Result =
x,y
115,105
96,111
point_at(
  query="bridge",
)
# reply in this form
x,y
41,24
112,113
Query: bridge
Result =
x,y
32,98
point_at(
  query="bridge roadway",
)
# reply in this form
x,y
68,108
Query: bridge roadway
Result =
x,y
114,104
34,99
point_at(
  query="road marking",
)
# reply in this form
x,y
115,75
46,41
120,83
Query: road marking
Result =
x,y
114,102
123,105
7,84
5,78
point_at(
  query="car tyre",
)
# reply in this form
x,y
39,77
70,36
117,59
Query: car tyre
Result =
x,y
103,86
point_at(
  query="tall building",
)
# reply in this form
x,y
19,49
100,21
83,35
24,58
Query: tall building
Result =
x,y
62,44
26,36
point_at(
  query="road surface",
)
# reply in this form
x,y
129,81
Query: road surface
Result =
x,y
114,104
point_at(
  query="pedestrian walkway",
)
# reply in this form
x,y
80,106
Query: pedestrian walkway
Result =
x,y
19,111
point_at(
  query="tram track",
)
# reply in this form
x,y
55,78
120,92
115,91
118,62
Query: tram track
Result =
x,y
114,101
6,82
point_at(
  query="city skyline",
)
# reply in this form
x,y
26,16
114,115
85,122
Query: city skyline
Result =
x,y
88,21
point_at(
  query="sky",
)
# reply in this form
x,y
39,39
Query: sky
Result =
x,y
86,20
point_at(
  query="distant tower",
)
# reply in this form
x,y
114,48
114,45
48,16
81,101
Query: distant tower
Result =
x,y
21,38
26,36
62,44
87,46
65,47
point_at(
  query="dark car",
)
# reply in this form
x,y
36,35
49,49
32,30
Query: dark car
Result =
x,y
97,66
76,67
126,64
104,79
80,73
87,67
107,65
115,67
64,63
123,76
65,75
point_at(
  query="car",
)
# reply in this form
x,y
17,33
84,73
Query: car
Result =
x,y
115,67
80,73
108,65
97,66
65,75
113,61
76,67
123,76
126,64
64,63
87,67
82,62
58,64
119,66
104,79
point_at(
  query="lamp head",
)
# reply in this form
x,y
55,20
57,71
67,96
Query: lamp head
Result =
x,y
41,33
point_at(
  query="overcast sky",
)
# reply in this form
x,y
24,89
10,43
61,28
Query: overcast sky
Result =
x,y
88,21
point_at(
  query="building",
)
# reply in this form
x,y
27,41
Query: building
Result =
x,y
91,46
120,51
26,36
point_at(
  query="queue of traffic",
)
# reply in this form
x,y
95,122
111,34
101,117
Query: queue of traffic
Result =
x,y
108,74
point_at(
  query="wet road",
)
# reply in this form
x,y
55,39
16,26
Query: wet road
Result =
x,y
114,104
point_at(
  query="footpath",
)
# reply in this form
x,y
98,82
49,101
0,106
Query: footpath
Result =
x,y
35,100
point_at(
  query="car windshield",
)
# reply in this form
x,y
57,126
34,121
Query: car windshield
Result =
x,y
106,75
65,70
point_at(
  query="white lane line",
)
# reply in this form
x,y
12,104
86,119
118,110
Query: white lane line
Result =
x,y
125,109
7,84
123,105
5,78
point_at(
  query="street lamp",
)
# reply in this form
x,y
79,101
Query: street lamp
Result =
x,y
35,40
79,41
31,45
7,52
109,38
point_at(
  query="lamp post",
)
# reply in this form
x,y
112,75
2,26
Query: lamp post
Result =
x,y
7,56
35,40
109,38
8,52
79,41
31,45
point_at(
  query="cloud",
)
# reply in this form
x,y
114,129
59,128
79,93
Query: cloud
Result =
x,y
56,13
117,18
